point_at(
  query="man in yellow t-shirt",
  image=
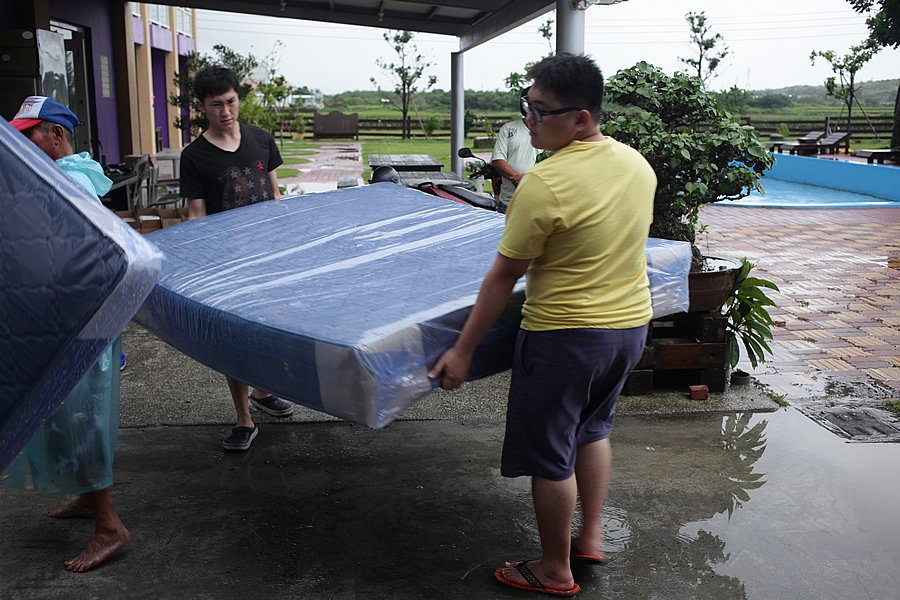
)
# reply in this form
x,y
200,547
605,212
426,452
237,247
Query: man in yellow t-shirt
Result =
x,y
577,229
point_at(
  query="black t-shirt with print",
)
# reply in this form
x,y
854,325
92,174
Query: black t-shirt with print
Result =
x,y
228,180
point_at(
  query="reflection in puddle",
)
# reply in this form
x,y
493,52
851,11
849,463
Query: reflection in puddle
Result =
x,y
766,505
746,445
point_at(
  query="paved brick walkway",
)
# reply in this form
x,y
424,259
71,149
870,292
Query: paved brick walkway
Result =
x,y
331,161
838,310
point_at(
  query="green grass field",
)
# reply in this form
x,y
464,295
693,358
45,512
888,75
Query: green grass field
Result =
x,y
283,172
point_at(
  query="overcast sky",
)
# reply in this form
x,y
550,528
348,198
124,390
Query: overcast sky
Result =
x,y
770,42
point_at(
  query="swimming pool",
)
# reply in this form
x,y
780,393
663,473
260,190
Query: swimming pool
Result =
x,y
804,182
788,194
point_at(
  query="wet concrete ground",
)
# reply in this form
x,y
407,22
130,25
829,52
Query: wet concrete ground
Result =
x,y
723,504
733,505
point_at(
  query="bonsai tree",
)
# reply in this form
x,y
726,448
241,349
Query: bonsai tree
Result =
x,y
699,153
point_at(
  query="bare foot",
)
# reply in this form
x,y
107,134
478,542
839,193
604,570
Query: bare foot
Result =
x,y
101,546
591,550
73,510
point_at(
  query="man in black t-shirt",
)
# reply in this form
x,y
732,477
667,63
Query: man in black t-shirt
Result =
x,y
230,165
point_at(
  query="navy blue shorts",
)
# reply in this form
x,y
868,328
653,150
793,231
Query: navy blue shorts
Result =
x,y
563,394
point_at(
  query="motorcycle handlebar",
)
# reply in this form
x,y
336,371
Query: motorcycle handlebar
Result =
x,y
486,170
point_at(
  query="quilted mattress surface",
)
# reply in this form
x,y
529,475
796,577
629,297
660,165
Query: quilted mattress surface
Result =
x,y
342,300
72,275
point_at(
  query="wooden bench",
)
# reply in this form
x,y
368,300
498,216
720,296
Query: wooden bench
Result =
x,y
878,156
336,125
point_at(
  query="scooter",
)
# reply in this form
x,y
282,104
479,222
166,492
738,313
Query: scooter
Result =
x,y
463,192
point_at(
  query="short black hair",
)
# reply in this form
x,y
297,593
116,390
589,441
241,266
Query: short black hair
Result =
x,y
215,81
575,80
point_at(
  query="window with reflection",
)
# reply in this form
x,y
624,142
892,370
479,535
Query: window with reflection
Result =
x,y
184,24
159,15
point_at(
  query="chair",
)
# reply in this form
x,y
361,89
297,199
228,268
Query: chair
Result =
x,y
336,125
879,155
173,199
810,138
140,175
830,144
169,176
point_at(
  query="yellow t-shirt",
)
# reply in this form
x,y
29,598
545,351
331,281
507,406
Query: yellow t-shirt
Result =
x,y
583,217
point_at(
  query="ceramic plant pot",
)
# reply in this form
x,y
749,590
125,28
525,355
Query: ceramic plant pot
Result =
x,y
707,290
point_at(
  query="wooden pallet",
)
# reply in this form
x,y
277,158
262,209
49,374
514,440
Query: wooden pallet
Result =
x,y
684,349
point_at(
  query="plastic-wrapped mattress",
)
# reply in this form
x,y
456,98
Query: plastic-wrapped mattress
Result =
x,y
72,275
340,301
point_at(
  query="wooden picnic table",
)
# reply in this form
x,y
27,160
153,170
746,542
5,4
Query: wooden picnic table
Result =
x,y
415,177
405,162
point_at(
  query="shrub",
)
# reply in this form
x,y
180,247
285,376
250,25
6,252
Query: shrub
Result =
x,y
700,155
431,124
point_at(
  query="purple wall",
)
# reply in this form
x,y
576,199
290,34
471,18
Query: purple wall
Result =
x,y
160,98
93,15
137,29
160,37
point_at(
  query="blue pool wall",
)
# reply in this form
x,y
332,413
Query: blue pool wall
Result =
x,y
875,180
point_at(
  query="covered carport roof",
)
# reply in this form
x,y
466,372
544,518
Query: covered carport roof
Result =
x,y
472,21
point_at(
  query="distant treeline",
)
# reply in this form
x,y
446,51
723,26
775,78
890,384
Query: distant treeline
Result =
x,y
871,93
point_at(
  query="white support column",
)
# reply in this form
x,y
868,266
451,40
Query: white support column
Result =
x,y
569,27
457,111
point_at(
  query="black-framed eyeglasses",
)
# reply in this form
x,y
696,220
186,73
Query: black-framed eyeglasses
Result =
x,y
540,114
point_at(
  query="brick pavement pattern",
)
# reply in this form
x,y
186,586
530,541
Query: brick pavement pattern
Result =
x,y
331,161
838,309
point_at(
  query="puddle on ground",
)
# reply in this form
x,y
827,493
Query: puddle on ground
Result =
x,y
748,505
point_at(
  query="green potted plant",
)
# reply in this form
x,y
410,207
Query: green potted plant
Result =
x,y
748,324
699,153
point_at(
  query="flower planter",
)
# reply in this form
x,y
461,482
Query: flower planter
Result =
x,y
707,290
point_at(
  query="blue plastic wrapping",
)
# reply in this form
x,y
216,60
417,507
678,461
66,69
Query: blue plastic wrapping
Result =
x,y
340,301
72,451
72,274
668,265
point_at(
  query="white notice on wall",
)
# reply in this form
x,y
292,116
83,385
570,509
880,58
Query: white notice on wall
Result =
x,y
105,86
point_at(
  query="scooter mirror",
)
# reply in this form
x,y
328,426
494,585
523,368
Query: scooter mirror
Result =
x,y
465,153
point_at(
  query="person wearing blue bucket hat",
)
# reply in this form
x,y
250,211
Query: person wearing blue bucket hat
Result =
x,y
72,451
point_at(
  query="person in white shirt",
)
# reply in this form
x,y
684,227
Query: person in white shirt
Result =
x,y
513,155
